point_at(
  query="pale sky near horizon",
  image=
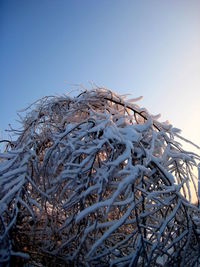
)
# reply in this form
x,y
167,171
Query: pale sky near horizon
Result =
x,y
149,48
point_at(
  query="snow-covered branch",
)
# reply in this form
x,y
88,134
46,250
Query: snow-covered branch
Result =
x,y
96,180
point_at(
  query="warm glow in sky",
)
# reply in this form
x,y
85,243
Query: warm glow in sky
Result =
x,y
149,48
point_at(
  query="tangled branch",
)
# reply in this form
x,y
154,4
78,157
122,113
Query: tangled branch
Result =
x,y
95,180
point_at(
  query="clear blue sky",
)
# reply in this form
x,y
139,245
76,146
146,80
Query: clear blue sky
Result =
x,y
149,48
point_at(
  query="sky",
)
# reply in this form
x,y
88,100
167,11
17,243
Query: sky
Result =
x,y
149,48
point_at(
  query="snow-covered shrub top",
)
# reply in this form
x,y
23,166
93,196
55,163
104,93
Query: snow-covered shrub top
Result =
x,y
93,180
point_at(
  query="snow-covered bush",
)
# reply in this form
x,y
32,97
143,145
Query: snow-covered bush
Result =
x,y
94,180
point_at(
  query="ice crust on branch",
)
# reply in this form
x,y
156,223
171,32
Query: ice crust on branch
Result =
x,y
95,180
